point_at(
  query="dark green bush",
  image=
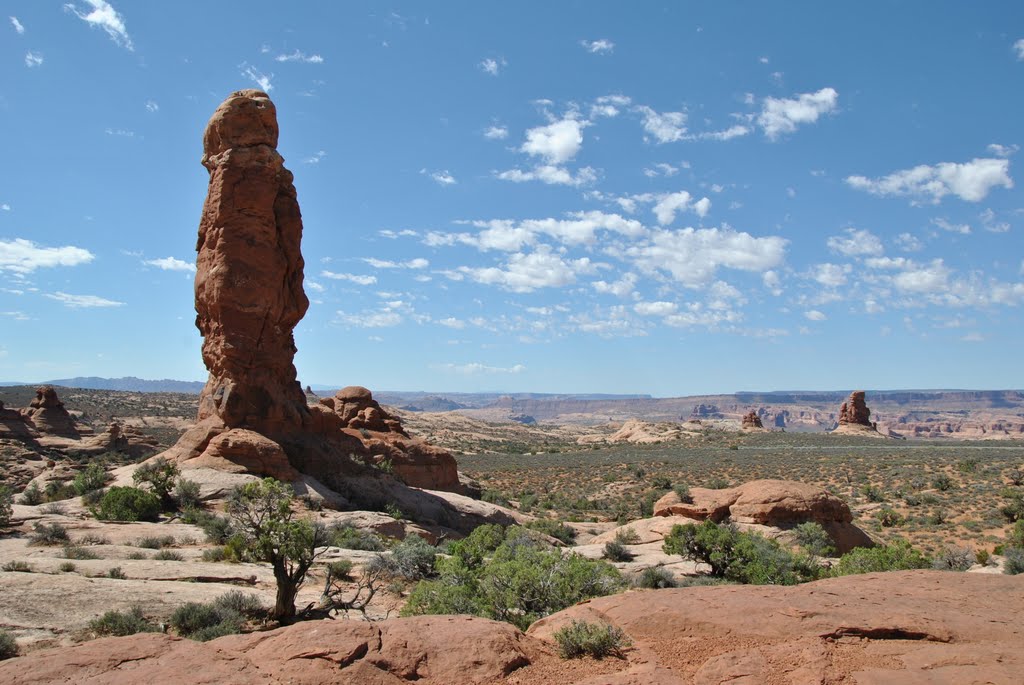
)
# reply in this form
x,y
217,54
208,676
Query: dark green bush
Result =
x,y
888,517
116,573
682,490
205,621
66,567
341,569
6,498
654,578
158,477
555,529
168,555
8,646
411,559
942,482
598,640
898,556
740,557
186,494
240,603
32,495
348,537
813,538
616,551
954,559
93,478
1013,507
155,541
121,623
1014,563
128,504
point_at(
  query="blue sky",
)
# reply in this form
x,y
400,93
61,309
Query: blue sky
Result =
x,y
672,198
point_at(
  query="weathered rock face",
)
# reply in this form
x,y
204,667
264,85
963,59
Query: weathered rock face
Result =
x,y
752,420
253,414
855,410
776,503
47,414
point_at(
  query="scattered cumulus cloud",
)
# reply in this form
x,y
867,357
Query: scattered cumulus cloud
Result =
x,y
17,25
855,243
602,46
664,127
962,229
1003,150
492,66
33,59
1018,47
301,57
22,256
609,106
315,159
661,169
103,15
970,181
496,133
550,174
908,242
557,142
352,278
119,132
524,273
5,207
815,315
418,263
442,178
476,368
82,301
782,115
258,77
171,264
152,106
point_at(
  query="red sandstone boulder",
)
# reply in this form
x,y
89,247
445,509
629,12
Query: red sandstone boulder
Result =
x,y
48,416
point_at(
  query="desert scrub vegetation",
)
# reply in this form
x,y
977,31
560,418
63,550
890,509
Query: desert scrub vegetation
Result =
x,y
8,646
349,537
581,638
225,615
121,623
6,499
509,575
49,534
897,556
122,503
654,578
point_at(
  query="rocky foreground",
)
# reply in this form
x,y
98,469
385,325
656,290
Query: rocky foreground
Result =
x,y
900,627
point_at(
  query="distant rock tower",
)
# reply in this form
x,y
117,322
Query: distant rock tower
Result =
x,y
854,411
752,420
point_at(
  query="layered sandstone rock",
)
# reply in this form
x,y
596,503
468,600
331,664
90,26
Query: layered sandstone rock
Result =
x,y
855,410
778,504
48,416
751,420
253,414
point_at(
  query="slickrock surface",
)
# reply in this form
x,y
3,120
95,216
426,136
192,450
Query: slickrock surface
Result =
x,y
776,503
253,415
902,627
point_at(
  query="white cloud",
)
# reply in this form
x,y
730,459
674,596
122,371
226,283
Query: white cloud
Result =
x,y
783,115
772,282
492,66
257,76
620,288
33,59
22,256
105,17
580,228
417,263
601,46
655,308
991,224
608,105
392,235
962,229
692,256
442,178
701,207
970,181
667,206
973,337
452,322
298,56
855,243
815,315
1003,150
550,174
830,275
477,368
371,319
82,301
887,262
315,287
317,158
496,133
666,127
525,273
5,207
661,169
353,278
557,142
152,106
17,25
1018,47
726,134
928,278
171,264
908,242
120,132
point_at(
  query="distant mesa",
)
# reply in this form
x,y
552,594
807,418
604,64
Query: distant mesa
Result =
x,y
752,421
254,416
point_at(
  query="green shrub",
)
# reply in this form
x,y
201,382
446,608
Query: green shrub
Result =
x,y
1015,538
49,534
508,575
627,536
32,495
158,477
616,551
661,483
66,567
718,483
8,646
128,504
205,621
1013,508
214,554
240,603
6,499
121,623
116,573
1014,563
155,541
942,482
953,559
872,493
19,566
555,529
654,578
186,494
348,537
168,555
813,538
341,569
411,559
93,478
888,517
56,491
598,640
898,556
76,552
682,490
740,557
216,528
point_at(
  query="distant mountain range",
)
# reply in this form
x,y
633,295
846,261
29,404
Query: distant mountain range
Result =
x,y
127,384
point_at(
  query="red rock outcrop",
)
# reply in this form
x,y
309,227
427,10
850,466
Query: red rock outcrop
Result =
x,y
48,416
776,503
855,410
253,413
752,420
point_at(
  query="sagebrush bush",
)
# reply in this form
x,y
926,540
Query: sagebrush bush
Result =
x,y
49,534
654,578
239,602
813,538
155,541
1014,563
340,569
128,504
898,556
186,494
116,573
6,499
8,646
66,567
954,559
411,559
168,555
92,478
121,623
158,477
32,495
616,551
19,566
204,622
555,529
348,537
682,491
598,640
76,552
